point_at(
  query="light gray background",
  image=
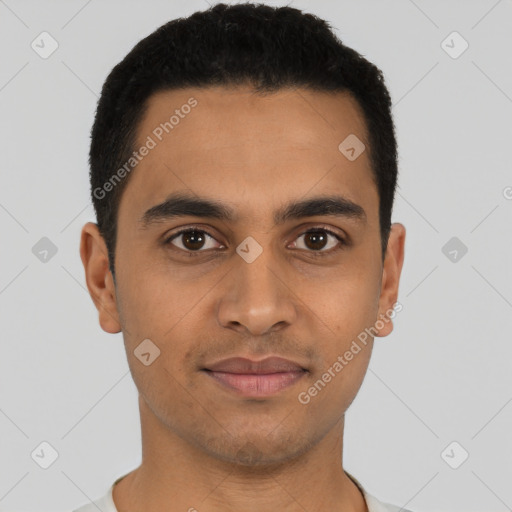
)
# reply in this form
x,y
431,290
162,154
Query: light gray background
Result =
x,y
443,375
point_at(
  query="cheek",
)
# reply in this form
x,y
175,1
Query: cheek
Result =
x,y
331,390
346,312
153,300
346,307
157,307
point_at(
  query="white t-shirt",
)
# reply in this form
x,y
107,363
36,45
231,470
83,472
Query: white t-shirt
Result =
x,y
106,503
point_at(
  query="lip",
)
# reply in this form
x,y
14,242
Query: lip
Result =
x,y
242,365
256,379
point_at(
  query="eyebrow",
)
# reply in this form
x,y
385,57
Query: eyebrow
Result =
x,y
180,205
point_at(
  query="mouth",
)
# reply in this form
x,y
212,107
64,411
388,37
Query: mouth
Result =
x,y
256,379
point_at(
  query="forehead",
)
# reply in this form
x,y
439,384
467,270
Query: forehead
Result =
x,y
240,116
248,148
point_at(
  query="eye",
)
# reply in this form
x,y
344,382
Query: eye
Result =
x,y
317,240
192,240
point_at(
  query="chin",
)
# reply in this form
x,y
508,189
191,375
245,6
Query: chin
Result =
x,y
256,451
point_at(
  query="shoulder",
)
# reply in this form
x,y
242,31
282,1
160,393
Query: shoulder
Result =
x,y
105,504
373,504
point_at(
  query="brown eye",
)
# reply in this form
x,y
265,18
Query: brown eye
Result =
x,y
193,240
315,240
319,240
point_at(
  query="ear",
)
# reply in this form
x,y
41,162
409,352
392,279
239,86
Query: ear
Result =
x,y
392,268
100,283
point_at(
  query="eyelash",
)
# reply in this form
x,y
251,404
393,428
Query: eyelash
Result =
x,y
342,242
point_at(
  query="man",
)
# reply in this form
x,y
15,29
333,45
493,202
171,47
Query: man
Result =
x,y
243,168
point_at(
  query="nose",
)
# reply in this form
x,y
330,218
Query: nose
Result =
x,y
256,297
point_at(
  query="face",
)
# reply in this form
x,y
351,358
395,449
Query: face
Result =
x,y
263,270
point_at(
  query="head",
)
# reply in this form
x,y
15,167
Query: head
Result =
x,y
234,122
268,48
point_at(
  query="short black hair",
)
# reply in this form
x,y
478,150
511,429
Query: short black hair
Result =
x,y
268,48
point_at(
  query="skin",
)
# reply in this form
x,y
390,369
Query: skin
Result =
x,y
203,446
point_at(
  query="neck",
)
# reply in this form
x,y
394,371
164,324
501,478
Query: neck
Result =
x,y
175,476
